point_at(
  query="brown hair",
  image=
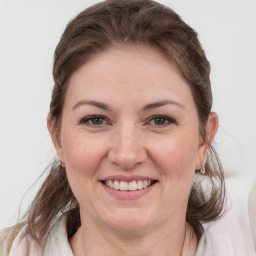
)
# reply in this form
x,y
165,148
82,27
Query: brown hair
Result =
x,y
122,22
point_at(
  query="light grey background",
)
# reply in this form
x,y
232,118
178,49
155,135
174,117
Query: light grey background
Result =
x,y
29,32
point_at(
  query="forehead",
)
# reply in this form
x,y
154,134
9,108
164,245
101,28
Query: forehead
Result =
x,y
129,72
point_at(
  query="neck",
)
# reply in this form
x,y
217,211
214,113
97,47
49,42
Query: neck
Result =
x,y
167,239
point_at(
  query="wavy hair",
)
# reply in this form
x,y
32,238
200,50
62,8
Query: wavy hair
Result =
x,y
101,27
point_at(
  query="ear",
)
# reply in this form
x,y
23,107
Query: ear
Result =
x,y
54,136
210,132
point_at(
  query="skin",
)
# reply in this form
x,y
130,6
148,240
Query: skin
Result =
x,y
129,141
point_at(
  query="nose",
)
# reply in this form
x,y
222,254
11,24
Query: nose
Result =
x,y
127,149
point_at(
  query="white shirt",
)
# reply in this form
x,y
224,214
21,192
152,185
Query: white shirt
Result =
x,y
234,233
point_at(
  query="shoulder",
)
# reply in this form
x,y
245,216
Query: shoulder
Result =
x,y
252,211
57,242
19,242
7,236
235,231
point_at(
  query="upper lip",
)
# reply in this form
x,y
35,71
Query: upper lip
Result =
x,y
126,178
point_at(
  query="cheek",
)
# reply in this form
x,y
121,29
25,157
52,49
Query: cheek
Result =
x,y
176,160
82,159
176,156
82,154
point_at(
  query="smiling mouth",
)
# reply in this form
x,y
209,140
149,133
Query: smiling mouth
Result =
x,y
128,186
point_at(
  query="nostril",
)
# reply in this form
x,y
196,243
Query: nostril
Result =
x,y
127,159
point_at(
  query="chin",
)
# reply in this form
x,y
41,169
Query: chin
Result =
x,y
128,222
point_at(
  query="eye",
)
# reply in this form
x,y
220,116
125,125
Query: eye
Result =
x,y
95,120
161,121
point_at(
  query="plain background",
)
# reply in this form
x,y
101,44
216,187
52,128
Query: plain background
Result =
x,y
29,33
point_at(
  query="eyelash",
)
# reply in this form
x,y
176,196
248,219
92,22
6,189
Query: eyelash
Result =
x,y
165,118
89,119
93,117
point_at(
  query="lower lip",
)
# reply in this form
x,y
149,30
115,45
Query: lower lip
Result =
x,y
129,195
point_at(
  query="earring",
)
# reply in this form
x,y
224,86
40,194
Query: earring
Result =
x,y
202,170
62,164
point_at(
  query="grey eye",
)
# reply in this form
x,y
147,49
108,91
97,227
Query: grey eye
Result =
x,y
93,120
96,121
160,121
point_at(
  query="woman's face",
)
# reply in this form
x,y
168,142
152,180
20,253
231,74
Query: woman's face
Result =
x,y
130,121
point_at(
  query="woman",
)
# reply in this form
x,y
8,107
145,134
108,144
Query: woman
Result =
x,y
131,122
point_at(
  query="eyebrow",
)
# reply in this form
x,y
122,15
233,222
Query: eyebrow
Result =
x,y
160,104
93,103
147,107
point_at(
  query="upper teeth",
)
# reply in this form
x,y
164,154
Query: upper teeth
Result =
x,y
132,185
